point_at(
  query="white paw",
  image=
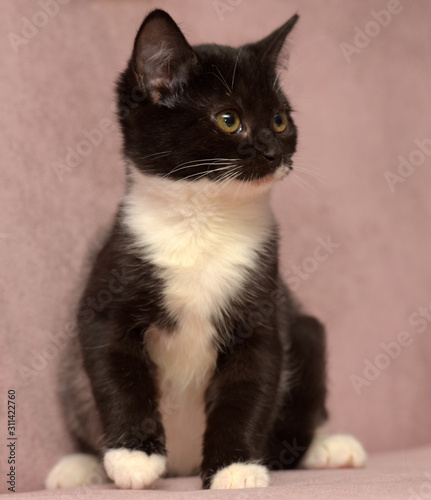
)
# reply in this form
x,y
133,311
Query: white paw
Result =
x,y
132,469
240,476
75,470
333,452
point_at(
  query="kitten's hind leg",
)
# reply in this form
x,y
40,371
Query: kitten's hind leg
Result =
x,y
296,440
333,452
303,407
79,469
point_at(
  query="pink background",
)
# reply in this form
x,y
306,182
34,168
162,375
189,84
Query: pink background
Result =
x,y
355,119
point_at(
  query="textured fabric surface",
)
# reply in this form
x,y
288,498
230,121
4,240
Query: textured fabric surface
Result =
x,y
355,246
389,476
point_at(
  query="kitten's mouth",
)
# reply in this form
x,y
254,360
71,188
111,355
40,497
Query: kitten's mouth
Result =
x,y
279,174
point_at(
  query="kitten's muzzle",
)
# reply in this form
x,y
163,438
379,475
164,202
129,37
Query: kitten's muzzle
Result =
x,y
267,145
274,157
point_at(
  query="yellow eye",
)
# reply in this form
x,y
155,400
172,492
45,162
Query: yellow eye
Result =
x,y
228,121
279,122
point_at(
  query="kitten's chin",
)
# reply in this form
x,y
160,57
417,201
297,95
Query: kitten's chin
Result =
x,y
252,188
268,180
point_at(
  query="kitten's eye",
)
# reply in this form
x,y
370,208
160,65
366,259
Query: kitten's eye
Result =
x,y
229,121
279,122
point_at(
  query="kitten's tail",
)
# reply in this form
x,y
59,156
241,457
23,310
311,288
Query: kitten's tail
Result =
x,y
79,469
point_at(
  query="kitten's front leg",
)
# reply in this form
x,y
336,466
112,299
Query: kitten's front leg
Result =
x,y
240,406
125,394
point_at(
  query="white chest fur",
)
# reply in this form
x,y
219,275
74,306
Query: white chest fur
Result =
x,y
204,241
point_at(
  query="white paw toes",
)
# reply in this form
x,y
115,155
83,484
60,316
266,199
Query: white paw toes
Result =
x,y
76,470
132,469
240,475
333,452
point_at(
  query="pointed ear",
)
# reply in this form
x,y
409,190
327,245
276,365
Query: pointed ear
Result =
x,y
162,59
269,48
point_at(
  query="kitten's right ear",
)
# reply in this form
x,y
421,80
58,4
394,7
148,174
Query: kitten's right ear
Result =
x,y
162,58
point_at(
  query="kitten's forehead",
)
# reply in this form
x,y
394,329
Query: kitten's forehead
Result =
x,y
233,62
239,73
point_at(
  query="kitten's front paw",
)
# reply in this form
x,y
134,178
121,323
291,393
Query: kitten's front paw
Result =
x,y
132,469
333,452
240,475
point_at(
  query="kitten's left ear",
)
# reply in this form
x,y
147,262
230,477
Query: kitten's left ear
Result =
x,y
269,48
162,58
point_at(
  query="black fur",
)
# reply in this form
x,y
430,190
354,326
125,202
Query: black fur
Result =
x,y
267,394
217,78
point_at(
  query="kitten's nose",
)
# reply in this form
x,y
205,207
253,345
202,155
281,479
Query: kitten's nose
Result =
x,y
272,153
268,146
272,156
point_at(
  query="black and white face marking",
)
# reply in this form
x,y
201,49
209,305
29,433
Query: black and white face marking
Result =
x,y
211,111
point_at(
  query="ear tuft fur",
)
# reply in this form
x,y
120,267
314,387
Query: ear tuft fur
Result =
x,y
162,57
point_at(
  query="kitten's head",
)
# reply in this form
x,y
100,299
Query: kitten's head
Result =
x,y
207,111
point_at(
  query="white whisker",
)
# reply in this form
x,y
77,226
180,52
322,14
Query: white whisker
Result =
x,y
304,184
154,155
234,69
308,171
222,79
238,189
197,164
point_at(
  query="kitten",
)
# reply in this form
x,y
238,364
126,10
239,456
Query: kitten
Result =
x,y
196,358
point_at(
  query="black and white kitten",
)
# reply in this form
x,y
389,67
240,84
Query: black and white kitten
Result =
x,y
195,358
